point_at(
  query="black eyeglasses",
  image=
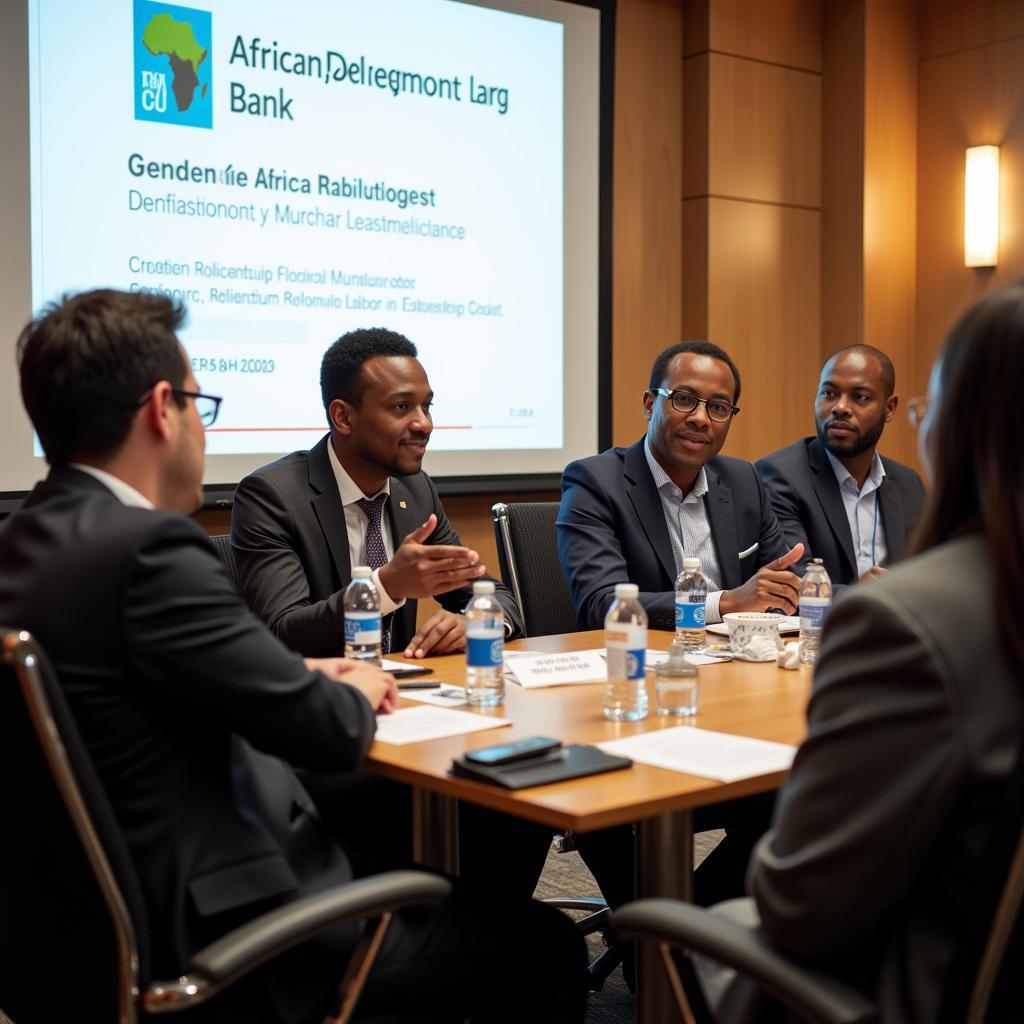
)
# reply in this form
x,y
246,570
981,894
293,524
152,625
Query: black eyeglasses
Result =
x,y
683,401
207,406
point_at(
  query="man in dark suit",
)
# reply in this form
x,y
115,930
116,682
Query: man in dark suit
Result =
x,y
193,712
301,523
834,493
631,514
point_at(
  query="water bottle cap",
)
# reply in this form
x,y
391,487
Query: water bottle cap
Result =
x,y
483,587
691,563
626,591
677,653
361,572
816,561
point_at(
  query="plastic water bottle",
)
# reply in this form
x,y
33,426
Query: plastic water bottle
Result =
x,y
815,599
691,596
625,641
676,683
485,647
362,617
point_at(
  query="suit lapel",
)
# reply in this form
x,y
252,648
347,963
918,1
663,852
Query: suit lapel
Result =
x,y
647,504
827,490
894,523
723,529
328,508
402,513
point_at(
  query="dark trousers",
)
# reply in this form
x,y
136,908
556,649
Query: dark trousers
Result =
x,y
372,819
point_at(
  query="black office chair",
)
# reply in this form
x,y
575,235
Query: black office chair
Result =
x,y
74,935
977,988
528,560
529,565
222,542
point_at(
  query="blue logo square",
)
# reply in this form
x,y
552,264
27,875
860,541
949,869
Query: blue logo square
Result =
x,y
173,64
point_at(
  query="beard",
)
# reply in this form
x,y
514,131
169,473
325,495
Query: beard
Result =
x,y
856,445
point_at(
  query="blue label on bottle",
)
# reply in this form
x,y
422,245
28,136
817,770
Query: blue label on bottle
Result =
x,y
689,614
485,651
635,663
362,628
812,616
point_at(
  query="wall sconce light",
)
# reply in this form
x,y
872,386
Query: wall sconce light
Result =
x,y
981,207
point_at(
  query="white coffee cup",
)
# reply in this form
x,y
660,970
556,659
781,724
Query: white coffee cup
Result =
x,y
754,635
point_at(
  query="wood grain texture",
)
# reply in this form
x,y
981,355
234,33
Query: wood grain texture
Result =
x,y
764,309
764,136
949,26
971,98
647,213
781,31
890,202
739,698
842,225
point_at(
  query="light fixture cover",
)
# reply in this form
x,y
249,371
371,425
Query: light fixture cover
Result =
x,y
981,207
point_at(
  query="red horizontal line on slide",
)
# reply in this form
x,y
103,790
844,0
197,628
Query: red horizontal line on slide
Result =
x,y
321,429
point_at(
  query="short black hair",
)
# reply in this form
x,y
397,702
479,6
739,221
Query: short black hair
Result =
x,y
341,372
888,371
698,348
87,360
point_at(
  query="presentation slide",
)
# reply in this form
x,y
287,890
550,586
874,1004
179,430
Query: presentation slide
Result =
x,y
294,171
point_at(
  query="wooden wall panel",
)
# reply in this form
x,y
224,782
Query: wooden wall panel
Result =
x,y
764,310
780,31
890,202
947,26
765,134
971,98
647,212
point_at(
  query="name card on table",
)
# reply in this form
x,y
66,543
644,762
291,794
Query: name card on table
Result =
x,y
559,669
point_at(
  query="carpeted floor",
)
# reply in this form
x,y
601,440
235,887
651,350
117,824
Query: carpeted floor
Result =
x,y
565,874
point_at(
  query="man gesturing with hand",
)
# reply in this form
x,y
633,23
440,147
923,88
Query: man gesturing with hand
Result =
x,y
359,497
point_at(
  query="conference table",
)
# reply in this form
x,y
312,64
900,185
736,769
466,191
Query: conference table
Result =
x,y
740,698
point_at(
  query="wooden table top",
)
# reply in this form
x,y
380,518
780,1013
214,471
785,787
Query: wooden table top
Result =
x,y
745,699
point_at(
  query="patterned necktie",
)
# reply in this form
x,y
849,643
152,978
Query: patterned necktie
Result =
x,y
376,556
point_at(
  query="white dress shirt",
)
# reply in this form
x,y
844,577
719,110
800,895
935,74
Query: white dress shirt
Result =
x,y
125,493
689,528
356,523
861,506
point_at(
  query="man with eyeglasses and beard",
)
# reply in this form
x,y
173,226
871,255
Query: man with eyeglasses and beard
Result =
x,y
834,493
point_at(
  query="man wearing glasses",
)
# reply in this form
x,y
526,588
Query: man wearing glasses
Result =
x,y
632,514
196,715
834,493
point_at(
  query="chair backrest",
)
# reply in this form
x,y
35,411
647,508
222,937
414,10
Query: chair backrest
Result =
x,y
528,559
222,542
71,906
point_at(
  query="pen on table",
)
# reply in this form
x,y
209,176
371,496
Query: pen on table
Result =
x,y
417,684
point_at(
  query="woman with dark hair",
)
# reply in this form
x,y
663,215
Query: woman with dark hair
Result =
x,y
877,864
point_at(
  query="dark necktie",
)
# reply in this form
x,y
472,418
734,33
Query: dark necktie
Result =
x,y
376,556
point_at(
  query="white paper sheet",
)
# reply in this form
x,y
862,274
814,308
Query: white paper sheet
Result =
x,y
415,725
442,696
655,658
712,755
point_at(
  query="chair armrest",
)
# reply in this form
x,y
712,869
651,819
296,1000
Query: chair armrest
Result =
x,y
234,955
807,992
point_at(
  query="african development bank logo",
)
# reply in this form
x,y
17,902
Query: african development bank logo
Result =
x,y
173,68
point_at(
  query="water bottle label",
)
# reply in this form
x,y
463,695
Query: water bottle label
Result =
x,y
485,648
362,628
689,614
813,612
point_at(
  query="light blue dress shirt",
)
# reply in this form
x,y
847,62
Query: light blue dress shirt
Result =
x,y
862,512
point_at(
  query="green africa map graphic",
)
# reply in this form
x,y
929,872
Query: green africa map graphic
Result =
x,y
164,36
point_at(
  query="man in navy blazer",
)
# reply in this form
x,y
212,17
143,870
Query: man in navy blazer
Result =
x,y
630,514
834,493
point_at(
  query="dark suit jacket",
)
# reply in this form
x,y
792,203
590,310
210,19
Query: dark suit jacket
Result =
x,y
172,682
915,723
291,545
611,529
806,498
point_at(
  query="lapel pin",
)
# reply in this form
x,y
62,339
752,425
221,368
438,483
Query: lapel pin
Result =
x,y
401,504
